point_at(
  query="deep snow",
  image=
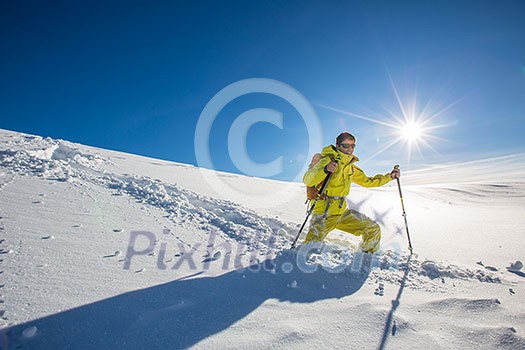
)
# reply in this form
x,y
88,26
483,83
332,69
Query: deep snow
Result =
x,y
101,249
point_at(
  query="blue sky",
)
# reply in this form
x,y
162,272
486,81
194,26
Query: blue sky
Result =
x,y
135,76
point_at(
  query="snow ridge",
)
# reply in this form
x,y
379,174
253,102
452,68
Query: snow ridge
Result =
x,y
64,161
211,215
389,267
51,159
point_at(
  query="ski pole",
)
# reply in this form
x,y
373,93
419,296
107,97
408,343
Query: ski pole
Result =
x,y
321,191
404,213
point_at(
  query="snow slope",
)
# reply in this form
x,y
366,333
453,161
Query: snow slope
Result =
x,y
101,249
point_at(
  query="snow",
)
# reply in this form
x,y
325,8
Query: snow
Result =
x,y
102,249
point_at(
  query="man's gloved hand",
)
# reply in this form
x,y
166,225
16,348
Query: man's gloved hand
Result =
x,y
396,173
330,167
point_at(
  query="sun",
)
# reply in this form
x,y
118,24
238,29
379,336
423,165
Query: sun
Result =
x,y
410,122
411,131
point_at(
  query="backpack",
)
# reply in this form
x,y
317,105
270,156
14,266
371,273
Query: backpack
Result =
x,y
313,191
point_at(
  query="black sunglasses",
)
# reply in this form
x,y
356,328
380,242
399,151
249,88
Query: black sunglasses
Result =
x,y
347,145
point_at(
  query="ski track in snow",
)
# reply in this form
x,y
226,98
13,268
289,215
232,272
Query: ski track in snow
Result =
x,y
63,161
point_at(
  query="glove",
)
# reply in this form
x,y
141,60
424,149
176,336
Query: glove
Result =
x,y
395,174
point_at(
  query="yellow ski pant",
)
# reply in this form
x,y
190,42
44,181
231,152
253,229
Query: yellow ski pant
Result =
x,y
350,221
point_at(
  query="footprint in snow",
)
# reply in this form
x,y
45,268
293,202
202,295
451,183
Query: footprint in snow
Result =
x,y
380,290
78,225
490,268
117,230
48,237
394,328
215,256
140,270
511,291
116,253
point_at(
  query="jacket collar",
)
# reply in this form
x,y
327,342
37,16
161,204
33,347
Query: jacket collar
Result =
x,y
332,152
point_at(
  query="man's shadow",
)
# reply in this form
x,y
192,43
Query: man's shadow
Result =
x,y
181,313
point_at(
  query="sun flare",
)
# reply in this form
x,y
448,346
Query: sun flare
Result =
x,y
411,131
410,123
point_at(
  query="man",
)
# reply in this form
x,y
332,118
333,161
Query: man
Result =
x,y
330,211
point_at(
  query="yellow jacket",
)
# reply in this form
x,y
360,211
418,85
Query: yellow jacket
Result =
x,y
339,185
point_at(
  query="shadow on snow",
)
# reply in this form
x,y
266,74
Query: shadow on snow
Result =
x,y
181,313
